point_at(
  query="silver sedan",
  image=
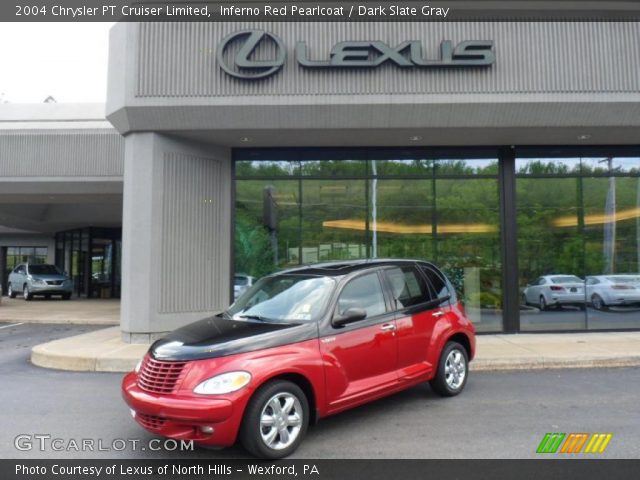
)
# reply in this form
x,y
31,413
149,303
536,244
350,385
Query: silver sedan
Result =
x,y
555,290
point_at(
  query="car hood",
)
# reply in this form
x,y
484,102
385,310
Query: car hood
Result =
x,y
218,337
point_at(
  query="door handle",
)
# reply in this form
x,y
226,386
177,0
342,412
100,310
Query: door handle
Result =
x,y
437,314
388,327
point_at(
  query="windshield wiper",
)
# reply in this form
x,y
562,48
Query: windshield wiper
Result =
x,y
256,317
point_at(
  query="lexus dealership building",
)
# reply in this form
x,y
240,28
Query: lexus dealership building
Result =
x,y
506,152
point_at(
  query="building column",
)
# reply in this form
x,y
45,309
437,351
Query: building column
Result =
x,y
176,234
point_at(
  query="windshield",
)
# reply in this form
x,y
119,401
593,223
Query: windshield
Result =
x,y
567,279
44,270
297,298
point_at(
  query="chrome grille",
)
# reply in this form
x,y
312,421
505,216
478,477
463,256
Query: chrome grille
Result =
x,y
160,377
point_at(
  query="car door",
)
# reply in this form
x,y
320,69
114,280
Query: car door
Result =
x,y
360,358
18,278
417,311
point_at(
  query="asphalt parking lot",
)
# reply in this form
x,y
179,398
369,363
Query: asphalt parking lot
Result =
x,y
499,415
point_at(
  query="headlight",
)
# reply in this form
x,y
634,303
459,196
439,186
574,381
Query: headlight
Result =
x,y
138,366
38,281
225,383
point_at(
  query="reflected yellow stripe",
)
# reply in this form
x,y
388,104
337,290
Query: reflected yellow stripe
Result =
x,y
598,219
390,227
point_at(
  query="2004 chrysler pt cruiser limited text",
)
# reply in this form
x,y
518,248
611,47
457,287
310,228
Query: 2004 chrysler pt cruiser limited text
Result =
x,y
300,345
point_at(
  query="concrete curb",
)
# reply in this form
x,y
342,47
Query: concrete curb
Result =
x,y
99,351
491,365
104,351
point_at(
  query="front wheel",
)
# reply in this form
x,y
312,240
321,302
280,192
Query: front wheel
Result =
x,y
26,293
10,292
453,370
275,421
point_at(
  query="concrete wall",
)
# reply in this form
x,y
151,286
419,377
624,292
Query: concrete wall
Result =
x,y
548,76
176,234
61,153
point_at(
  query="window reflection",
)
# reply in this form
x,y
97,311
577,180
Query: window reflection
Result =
x,y
348,205
586,225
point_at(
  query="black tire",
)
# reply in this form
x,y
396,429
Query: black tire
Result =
x,y
26,293
251,429
524,300
598,302
11,293
543,303
66,296
439,384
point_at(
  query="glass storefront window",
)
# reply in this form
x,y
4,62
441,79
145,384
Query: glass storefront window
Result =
x,y
92,257
389,203
579,242
334,220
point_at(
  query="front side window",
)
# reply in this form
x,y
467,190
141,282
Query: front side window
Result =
x,y
363,292
283,298
408,286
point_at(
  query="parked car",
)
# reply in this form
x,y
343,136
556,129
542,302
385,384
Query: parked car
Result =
x,y
555,291
241,284
39,279
609,290
301,345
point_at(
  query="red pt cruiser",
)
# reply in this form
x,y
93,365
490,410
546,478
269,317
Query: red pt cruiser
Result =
x,y
300,345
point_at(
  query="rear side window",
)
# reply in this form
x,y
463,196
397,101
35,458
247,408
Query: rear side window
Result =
x,y
437,282
363,292
407,286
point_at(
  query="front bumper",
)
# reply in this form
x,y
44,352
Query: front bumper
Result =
x,y
182,417
63,289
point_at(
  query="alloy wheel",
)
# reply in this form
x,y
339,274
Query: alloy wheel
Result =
x,y
455,369
281,420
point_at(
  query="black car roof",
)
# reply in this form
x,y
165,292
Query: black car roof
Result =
x,y
345,267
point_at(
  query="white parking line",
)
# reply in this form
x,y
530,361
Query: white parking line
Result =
x,y
12,325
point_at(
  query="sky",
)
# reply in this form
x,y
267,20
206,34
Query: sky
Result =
x,y
67,61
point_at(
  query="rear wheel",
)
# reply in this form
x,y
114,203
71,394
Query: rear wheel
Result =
x,y
453,370
275,421
543,303
26,292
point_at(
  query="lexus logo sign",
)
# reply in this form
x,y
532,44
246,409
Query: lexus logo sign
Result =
x,y
237,54
240,64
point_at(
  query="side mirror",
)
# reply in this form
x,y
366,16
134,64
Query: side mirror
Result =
x,y
349,316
